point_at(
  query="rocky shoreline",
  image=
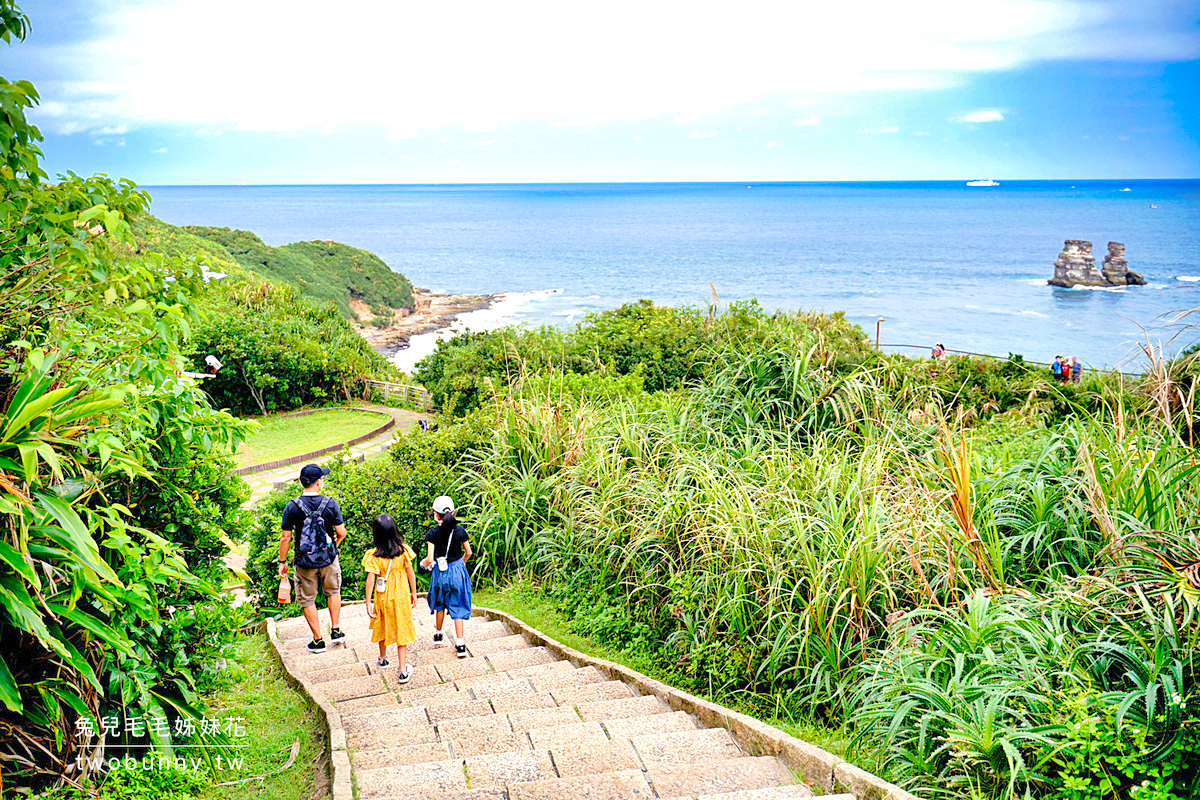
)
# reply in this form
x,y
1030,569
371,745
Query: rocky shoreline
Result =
x,y
432,312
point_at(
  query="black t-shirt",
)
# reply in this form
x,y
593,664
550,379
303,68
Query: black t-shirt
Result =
x,y
439,542
293,516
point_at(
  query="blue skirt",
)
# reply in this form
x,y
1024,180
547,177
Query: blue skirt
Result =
x,y
450,590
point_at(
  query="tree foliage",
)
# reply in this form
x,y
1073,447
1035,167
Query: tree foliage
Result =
x,y
102,445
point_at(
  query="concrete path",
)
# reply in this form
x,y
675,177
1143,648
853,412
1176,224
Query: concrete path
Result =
x,y
261,483
512,722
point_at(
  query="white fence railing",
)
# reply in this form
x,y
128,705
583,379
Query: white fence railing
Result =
x,y
417,395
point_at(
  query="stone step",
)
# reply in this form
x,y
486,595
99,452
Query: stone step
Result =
x,y
432,778
591,692
339,672
501,688
433,695
507,703
360,705
501,742
382,738
481,647
534,670
397,755
685,747
397,717
298,662
474,727
488,793
626,727
462,668
542,717
575,677
627,707
625,785
577,733
593,759
726,775
350,688
467,708
509,660
502,769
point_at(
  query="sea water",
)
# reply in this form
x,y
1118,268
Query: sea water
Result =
x,y
936,261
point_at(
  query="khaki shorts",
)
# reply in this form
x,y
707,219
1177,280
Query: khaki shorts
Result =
x,y
306,583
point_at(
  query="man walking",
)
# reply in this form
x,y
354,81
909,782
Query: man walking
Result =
x,y
317,521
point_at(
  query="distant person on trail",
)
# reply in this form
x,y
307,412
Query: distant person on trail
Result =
x,y
449,584
1056,368
938,350
319,527
1076,370
212,363
393,586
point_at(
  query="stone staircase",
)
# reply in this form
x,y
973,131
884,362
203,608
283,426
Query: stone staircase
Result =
x,y
514,721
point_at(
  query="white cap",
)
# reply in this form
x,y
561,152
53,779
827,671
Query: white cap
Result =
x,y
443,505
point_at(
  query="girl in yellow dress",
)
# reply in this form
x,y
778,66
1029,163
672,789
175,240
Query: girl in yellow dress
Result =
x,y
393,585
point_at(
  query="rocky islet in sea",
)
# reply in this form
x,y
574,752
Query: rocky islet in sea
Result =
x,y
1076,266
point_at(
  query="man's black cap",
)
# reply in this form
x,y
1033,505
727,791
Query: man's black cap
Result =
x,y
311,473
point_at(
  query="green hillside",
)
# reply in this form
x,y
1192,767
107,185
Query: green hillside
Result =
x,y
323,271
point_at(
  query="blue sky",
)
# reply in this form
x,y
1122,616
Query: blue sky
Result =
x,y
391,91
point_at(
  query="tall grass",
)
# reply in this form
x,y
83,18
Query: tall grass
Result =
x,y
961,581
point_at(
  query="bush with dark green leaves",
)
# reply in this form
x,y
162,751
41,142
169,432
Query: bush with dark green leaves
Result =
x,y
279,350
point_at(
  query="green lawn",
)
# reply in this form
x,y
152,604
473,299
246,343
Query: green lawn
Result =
x,y
284,437
524,601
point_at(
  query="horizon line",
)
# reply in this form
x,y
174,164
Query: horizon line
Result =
x,y
669,183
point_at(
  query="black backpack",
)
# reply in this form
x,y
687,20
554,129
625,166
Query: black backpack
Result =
x,y
314,547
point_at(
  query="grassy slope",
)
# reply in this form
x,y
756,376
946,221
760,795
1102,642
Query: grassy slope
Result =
x,y
325,271
275,716
285,437
524,601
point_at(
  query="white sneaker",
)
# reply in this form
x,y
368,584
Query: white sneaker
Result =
x,y
404,676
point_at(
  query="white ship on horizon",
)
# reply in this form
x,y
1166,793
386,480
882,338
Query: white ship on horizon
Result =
x,y
988,182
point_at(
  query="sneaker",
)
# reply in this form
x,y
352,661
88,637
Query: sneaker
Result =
x,y
404,676
336,635
382,662
316,646
437,637
460,650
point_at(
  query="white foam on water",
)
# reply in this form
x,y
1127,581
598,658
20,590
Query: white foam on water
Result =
x,y
506,310
1188,278
1027,313
1038,282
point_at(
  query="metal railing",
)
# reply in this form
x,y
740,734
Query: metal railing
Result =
x,y
405,393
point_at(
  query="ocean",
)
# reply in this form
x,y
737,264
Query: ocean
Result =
x,y
937,261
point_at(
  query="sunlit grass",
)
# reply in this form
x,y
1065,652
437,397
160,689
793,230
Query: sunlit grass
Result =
x,y
283,437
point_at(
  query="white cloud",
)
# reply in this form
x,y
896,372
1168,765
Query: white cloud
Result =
x,y
884,129
769,144
159,150
807,122
450,162
702,134
983,115
484,142
480,65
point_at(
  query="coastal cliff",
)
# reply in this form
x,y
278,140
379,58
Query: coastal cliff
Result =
x,y
1076,266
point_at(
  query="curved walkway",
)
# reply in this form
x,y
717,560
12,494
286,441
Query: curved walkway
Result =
x,y
526,718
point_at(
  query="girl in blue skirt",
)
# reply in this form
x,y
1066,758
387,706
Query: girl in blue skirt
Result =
x,y
447,548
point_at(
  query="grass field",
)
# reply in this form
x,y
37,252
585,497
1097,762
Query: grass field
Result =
x,y
284,437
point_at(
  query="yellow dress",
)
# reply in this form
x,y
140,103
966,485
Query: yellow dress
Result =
x,y
393,622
